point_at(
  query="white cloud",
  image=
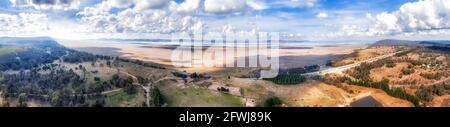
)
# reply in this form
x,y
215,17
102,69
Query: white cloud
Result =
x,y
150,4
47,4
423,15
414,17
257,5
225,6
189,6
23,23
166,16
294,3
138,5
139,19
119,3
322,15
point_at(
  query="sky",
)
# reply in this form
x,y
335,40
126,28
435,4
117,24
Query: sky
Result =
x,y
315,20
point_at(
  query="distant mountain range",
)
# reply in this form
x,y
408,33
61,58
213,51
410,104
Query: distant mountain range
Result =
x,y
30,41
446,43
394,42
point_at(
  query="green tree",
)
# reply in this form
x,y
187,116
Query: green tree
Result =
x,y
97,79
157,97
273,102
108,63
55,99
23,98
130,89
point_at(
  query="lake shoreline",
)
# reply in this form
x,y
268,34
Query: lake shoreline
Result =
x,y
291,56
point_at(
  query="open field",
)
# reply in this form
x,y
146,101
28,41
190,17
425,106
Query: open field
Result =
x,y
146,72
122,99
7,50
363,54
10,49
198,97
97,69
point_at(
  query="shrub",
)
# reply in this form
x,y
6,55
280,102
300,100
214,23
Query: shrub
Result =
x,y
407,71
273,102
223,89
287,79
435,76
157,97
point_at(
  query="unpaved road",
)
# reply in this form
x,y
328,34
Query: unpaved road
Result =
x,y
149,86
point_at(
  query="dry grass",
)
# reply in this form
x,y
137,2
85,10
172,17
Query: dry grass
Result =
x,y
103,72
198,97
396,76
145,72
308,94
441,101
320,94
364,54
382,97
123,99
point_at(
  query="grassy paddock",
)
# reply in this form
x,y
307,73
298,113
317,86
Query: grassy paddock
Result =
x,y
198,97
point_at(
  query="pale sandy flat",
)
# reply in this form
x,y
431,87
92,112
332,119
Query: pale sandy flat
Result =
x,y
293,56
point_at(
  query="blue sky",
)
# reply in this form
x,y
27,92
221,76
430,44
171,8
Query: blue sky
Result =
x,y
294,19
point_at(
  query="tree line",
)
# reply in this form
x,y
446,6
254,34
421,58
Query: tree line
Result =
x,y
287,79
427,93
395,92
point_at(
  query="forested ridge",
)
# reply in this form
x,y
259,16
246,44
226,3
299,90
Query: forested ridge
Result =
x,y
32,74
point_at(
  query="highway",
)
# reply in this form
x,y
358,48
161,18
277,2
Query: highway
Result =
x,y
341,69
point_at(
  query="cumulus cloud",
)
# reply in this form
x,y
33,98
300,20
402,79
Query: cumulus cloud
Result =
x,y
322,15
414,17
151,19
47,4
163,16
151,4
188,6
235,6
151,16
118,3
23,23
225,6
138,5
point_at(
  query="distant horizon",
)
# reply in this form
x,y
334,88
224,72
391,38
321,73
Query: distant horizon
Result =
x,y
156,40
